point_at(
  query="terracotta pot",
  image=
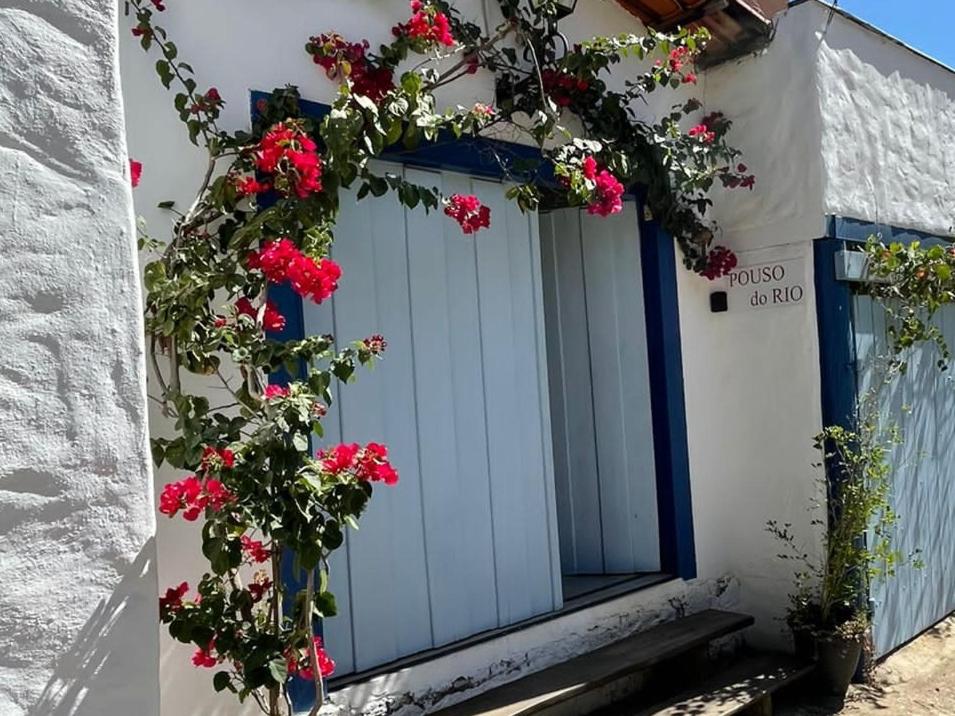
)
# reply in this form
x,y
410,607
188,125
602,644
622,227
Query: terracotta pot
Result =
x,y
838,659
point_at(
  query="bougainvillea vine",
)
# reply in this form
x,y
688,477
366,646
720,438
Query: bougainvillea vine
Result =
x,y
264,216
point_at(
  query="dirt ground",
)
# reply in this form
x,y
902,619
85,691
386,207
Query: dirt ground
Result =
x,y
917,680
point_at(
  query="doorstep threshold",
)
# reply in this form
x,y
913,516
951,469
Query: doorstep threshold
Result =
x,y
584,601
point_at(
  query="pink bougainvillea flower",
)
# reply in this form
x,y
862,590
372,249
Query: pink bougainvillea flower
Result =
x,y
247,186
589,168
301,666
135,172
215,459
272,319
689,78
719,262
203,658
467,210
607,195
376,344
428,24
282,260
193,496
703,133
172,601
339,458
254,549
372,464
274,391
290,155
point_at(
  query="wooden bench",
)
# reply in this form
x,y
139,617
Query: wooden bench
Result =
x,y
747,687
588,682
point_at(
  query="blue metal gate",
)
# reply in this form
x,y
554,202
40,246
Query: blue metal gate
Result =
x,y
853,346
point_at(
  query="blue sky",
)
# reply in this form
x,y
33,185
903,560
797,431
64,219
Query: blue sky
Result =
x,y
924,24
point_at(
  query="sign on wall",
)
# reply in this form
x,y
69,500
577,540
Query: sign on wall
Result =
x,y
773,284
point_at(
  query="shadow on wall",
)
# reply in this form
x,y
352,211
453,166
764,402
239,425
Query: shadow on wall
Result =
x,y
96,676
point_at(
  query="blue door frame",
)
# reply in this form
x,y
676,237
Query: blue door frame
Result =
x,y
482,158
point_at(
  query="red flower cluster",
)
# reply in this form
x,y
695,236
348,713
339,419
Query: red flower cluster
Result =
x,y
467,210
210,102
135,172
368,463
203,658
247,186
259,586
678,57
719,262
272,319
301,667
483,111
172,601
427,24
289,154
216,459
274,391
282,260
589,168
376,344
561,86
739,179
254,549
703,132
193,496
159,4
336,55
607,194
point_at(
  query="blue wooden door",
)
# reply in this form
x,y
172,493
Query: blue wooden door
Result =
x,y
922,403
467,540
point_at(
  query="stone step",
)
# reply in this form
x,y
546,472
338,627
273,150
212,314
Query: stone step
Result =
x,y
746,687
594,680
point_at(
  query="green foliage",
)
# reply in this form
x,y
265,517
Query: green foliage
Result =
x,y
857,523
912,282
206,306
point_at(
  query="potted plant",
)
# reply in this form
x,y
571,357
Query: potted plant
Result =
x,y
829,613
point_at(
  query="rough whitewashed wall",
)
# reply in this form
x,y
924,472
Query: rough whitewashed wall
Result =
x,y
78,614
888,137
256,48
752,375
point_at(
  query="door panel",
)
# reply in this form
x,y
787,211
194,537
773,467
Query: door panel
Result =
x,y
467,539
600,394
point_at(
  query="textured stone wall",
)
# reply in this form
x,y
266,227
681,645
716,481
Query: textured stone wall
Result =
x,y
78,630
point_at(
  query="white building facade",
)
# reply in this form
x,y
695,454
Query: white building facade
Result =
x,y
650,439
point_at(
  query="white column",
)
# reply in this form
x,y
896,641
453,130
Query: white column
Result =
x,y
78,614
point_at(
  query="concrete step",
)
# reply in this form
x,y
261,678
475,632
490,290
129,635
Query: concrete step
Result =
x,y
592,681
745,688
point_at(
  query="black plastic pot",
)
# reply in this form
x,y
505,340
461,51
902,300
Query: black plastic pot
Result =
x,y
804,644
838,659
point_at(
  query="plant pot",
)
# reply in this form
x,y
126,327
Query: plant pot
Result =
x,y
804,644
838,659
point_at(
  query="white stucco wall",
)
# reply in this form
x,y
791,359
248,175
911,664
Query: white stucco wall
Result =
x,y
804,111
888,138
78,630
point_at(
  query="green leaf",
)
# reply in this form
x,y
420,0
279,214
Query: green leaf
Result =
x,y
222,681
279,670
325,604
300,442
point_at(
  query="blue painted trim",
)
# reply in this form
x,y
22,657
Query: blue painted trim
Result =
x,y
836,342
480,157
858,230
667,400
